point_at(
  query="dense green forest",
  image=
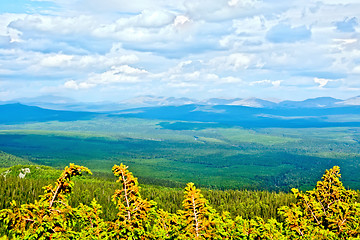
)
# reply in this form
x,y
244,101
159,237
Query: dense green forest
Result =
x,y
243,203
211,156
7,160
329,211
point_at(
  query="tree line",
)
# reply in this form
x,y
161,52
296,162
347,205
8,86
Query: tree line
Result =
x,y
245,203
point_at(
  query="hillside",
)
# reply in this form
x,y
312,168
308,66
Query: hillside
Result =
x,y
8,160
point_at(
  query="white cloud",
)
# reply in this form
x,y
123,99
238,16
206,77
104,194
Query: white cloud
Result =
x,y
181,20
123,74
231,80
266,82
113,6
276,83
71,84
5,20
56,60
147,19
221,10
234,62
182,85
149,31
203,45
126,69
233,3
321,81
42,24
356,70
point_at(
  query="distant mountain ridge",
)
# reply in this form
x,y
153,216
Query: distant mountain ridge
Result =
x,y
68,104
19,113
249,117
319,102
286,115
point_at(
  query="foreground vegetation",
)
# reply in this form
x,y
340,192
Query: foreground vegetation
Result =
x,y
327,212
244,203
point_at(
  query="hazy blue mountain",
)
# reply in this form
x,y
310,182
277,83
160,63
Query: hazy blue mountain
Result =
x,y
68,104
85,107
150,101
351,101
254,102
319,102
219,101
285,116
19,113
45,99
252,117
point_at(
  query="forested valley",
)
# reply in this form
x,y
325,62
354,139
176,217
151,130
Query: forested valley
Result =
x,y
194,180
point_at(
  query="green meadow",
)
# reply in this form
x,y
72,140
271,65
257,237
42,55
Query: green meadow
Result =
x,y
211,156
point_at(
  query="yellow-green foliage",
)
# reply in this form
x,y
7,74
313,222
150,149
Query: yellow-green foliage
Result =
x,y
51,216
328,212
133,219
200,220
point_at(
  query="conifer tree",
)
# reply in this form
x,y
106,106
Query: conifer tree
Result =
x,y
134,216
49,218
328,211
92,226
166,225
200,220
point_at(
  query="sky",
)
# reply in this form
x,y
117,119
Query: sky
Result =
x,y
111,50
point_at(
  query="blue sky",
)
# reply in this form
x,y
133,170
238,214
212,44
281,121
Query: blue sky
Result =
x,y
112,50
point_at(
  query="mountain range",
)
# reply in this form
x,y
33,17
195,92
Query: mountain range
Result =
x,y
317,112
63,103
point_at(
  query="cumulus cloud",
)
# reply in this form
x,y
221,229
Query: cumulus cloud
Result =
x,y
57,60
146,19
321,81
183,47
234,62
42,24
181,20
71,84
356,70
328,83
222,10
231,79
266,82
123,74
